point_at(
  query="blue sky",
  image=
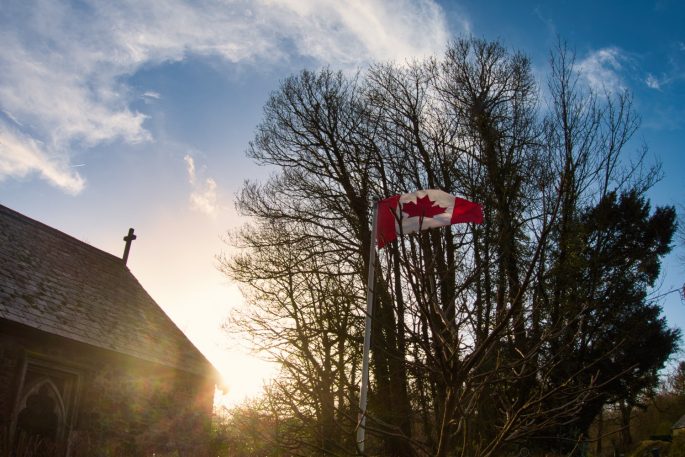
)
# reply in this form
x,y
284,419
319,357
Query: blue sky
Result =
x,y
137,113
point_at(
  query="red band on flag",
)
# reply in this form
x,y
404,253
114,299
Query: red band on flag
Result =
x,y
466,211
386,231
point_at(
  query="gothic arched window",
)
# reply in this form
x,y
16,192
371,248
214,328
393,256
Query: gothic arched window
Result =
x,y
42,416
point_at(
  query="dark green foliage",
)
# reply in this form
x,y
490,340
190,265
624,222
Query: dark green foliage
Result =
x,y
624,244
619,334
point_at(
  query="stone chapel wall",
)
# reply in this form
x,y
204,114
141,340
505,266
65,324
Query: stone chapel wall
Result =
x,y
109,404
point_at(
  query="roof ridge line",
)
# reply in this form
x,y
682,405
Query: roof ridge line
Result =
x,y
52,230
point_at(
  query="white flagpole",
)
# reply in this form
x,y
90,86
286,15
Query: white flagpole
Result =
x,y
361,424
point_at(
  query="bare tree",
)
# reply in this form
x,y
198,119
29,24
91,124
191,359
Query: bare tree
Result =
x,y
473,326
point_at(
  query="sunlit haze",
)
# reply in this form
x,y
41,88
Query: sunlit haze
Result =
x,y
138,114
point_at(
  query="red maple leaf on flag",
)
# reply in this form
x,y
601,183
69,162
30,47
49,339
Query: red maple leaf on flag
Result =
x,y
424,207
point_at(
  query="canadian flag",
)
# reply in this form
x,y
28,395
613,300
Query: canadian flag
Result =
x,y
421,210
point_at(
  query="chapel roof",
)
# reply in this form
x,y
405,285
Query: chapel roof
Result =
x,y
55,283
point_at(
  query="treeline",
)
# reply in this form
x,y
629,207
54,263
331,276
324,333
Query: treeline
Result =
x,y
486,339
650,423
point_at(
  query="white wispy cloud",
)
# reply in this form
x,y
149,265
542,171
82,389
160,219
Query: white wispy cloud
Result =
x,y
203,195
21,155
356,31
652,82
151,94
65,66
602,69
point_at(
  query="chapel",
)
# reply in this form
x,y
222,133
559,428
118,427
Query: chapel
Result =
x,y
89,363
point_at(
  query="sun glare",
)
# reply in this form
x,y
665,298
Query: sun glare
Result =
x,y
244,376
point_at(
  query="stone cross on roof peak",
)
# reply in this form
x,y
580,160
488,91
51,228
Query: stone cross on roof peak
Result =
x,y
129,239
